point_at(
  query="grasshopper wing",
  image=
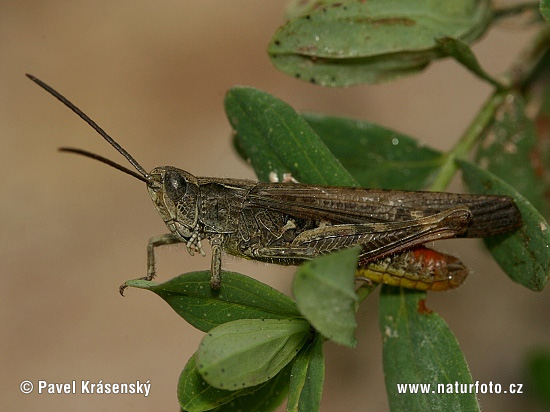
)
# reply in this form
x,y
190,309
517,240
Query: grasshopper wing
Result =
x,y
491,215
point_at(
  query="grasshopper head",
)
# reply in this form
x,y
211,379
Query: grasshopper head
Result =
x,y
175,195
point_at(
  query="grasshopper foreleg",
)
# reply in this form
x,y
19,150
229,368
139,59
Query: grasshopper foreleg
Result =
x,y
155,241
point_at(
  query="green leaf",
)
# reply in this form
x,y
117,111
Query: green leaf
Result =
x,y
195,394
375,156
351,42
267,398
419,348
508,151
296,8
464,55
308,374
538,373
278,140
248,352
350,71
525,254
239,297
325,294
545,9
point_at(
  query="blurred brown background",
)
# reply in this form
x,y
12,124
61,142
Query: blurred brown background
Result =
x,y
154,74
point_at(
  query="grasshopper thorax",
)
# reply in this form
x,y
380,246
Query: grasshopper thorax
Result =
x,y
175,194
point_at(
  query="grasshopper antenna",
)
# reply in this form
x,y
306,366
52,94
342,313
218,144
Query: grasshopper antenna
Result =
x,y
104,160
143,175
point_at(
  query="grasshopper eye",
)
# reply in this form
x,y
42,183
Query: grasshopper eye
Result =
x,y
175,186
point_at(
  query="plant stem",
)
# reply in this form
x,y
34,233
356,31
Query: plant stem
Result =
x,y
483,119
514,77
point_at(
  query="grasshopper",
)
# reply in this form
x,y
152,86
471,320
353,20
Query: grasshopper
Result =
x,y
289,223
